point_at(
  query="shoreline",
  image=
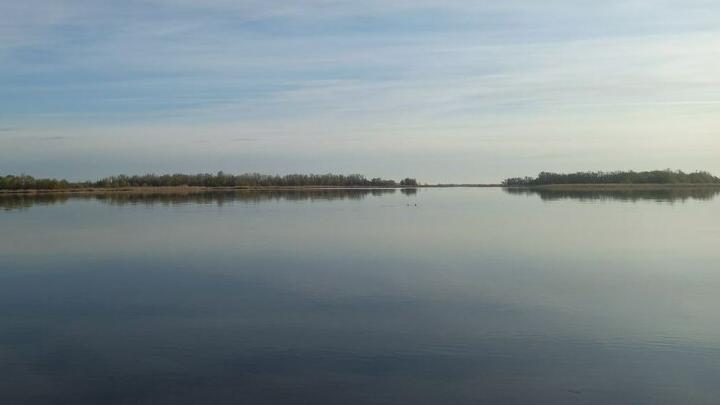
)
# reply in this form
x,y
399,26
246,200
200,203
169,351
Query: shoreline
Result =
x,y
199,189
617,186
189,190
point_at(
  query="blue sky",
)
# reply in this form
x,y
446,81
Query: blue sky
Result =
x,y
470,91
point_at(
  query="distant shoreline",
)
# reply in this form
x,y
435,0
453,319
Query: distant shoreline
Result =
x,y
222,182
192,189
181,190
199,189
617,186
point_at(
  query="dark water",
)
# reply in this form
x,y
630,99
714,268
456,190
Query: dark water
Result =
x,y
449,296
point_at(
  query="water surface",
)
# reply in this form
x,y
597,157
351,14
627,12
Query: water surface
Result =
x,y
444,296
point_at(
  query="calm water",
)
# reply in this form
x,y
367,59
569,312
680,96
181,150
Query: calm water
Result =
x,y
446,296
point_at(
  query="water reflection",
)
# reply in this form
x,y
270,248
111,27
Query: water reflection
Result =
x,y
26,201
669,194
472,296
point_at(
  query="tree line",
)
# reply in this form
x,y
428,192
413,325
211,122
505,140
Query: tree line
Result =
x,y
220,179
616,177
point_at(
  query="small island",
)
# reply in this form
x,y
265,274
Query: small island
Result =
x,y
615,180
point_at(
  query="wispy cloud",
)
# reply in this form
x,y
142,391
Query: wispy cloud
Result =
x,y
333,82
51,138
35,139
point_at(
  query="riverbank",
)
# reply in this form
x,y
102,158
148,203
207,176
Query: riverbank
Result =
x,y
195,189
618,186
187,190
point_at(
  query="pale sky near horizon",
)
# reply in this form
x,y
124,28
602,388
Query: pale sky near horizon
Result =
x,y
446,91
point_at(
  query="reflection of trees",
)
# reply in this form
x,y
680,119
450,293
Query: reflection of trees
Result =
x,y
408,191
669,194
24,201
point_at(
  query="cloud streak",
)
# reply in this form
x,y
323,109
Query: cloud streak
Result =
x,y
340,83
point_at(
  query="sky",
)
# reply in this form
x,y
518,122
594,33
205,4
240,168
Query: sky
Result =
x,y
445,91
